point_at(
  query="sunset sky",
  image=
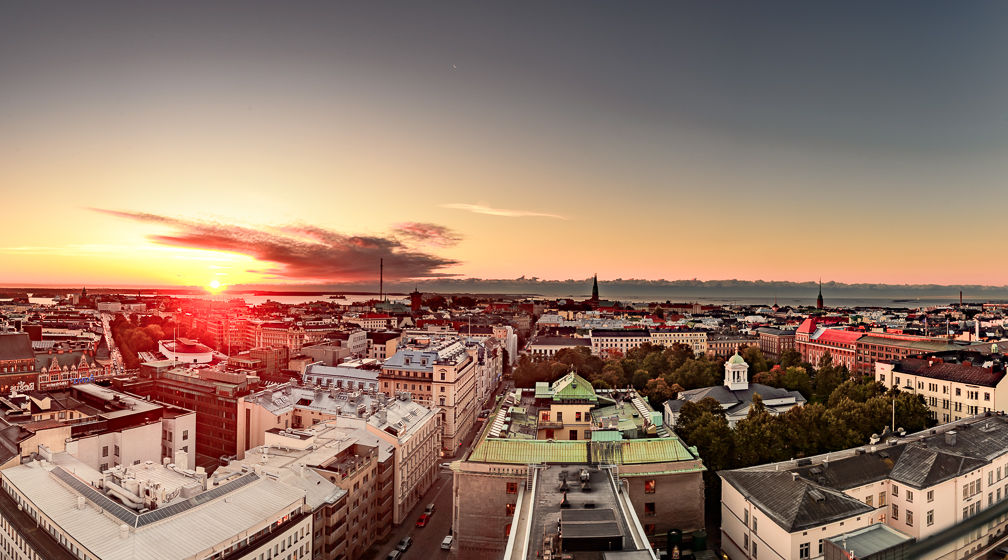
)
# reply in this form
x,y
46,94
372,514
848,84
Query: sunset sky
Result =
x,y
296,143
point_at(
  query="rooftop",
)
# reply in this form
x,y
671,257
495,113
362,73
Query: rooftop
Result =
x,y
212,519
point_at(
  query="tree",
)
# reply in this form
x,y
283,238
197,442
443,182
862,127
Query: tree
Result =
x,y
691,411
790,358
795,378
827,378
856,391
772,378
658,391
754,357
759,437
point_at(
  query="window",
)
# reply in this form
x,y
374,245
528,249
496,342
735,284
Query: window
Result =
x,y
930,517
754,526
104,451
649,486
649,509
117,451
820,547
895,511
185,434
512,487
754,549
649,528
881,499
745,542
509,509
909,496
103,467
745,517
803,550
909,518
868,500
958,392
930,496
895,490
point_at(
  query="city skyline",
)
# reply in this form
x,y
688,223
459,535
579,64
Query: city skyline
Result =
x,y
259,145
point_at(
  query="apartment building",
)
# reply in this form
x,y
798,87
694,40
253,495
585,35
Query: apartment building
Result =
x,y
439,372
62,509
407,434
616,342
694,338
545,347
773,341
955,384
919,485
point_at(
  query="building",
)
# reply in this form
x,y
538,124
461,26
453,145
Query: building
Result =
x,y
918,485
773,341
616,342
575,513
99,426
373,321
381,345
724,346
735,395
889,347
410,431
875,542
813,342
213,394
571,425
439,372
155,511
954,385
17,363
285,457
545,347
694,338
62,364
186,351
358,375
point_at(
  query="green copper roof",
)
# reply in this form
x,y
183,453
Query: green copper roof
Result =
x,y
607,435
626,452
573,387
523,452
542,390
736,359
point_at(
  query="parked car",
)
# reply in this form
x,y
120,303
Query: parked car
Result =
x,y
404,544
429,511
447,542
394,555
422,522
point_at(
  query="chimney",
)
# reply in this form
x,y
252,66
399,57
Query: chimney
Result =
x,y
81,502
950,438
124,530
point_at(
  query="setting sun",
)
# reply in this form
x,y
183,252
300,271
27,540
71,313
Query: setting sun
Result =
x,y
214,286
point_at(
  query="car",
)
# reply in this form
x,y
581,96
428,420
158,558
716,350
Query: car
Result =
x,y
429,511
394,555
422,522
447,542
404,544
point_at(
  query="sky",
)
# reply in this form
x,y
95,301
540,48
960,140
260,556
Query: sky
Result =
x,y
299,143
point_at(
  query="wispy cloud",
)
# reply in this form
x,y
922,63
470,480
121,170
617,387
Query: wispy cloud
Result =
x,y
428,234
304,252
481,209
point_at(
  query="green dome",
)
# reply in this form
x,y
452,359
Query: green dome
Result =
x,y
737,360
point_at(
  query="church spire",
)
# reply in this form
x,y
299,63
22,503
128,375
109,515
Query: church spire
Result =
x,y
819,304
594,297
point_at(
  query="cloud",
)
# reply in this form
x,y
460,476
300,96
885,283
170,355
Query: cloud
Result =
x,y
430,234
303,252
481,209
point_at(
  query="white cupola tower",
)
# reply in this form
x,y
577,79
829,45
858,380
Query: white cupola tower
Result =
x,y
736,373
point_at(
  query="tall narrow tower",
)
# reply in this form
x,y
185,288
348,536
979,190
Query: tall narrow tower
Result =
x,y
818,301
594,298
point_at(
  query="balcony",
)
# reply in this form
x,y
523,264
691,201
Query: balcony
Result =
x,y
550,425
